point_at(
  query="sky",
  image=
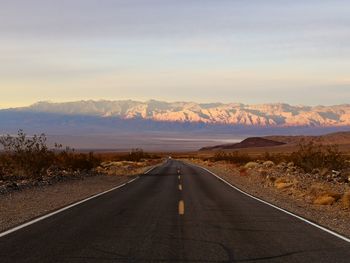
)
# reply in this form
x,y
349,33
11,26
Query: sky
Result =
x,y
248,51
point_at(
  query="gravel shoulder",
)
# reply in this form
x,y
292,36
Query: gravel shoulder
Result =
x,y
297,198
20,206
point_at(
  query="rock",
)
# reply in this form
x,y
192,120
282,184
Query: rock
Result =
x,y
282,164
290,164
336,174
251,165
3,189
324,172
12,186
291,169
315,171
268,164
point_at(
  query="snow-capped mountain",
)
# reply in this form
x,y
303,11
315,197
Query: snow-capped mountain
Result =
x,y
261,115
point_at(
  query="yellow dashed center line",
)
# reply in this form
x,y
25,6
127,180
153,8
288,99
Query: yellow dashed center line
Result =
x,y
180,187
181,207
178,177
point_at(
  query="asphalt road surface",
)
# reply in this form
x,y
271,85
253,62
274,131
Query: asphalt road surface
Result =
x,y
176,213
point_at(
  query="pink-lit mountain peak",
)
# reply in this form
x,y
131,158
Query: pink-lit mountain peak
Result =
x,y
278,114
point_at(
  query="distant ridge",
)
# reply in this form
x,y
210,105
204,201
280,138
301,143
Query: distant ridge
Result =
x,y
331,138
339,138
260,115
251,142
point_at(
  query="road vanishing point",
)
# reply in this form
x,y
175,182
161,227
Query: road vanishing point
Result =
x,y
172,216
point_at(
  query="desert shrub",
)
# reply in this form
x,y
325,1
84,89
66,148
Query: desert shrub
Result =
x,y
136,155
311,156
30,157
25,156
232,157
274,157
69,159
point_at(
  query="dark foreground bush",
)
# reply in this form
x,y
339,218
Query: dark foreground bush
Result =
x,y
24,156
30,157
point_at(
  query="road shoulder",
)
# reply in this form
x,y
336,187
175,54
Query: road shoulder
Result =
x,y
21,206
330,217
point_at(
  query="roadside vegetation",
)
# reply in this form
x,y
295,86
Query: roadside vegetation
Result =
x,y
29,158
316,173
135,155
313,180
311,155
308,156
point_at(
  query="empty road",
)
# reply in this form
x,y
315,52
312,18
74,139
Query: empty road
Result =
x,y
176,213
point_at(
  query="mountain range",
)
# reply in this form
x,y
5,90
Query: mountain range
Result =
x,y
259,115
158,125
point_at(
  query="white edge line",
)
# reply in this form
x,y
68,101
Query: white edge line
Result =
x,y
276,207
69,206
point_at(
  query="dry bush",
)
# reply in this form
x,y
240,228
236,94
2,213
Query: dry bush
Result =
x,y
135,155
283,183
69,159
324,200
310,156
232,157
276,157
323,195
25,156
30,157
345,200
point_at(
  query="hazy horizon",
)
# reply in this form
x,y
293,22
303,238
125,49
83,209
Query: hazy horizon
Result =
x,y
166,101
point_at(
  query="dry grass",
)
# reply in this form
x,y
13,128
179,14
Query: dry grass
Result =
x,y
345,201
324,200
323,195
283,183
